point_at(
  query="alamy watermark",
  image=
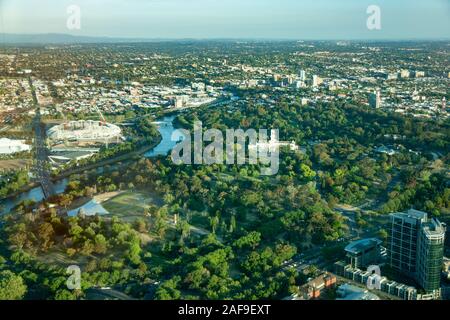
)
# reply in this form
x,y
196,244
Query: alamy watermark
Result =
x,y
74,280
74,19
239,147
374,19
374,280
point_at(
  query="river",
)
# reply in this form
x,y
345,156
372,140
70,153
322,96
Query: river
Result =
x,y
166,130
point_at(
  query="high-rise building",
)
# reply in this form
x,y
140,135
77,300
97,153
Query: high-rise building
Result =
x,y
403,242
299,84
179,101
390,76
405,73
430,254
363,253
290,80
316,81
419,74
416,248
375,99
302,75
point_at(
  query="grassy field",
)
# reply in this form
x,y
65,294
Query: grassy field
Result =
x,y
59,257
6,165
131,205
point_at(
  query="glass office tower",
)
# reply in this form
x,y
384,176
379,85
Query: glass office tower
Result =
x,y
416,248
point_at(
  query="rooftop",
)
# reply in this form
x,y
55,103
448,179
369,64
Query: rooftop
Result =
x,y
362,245
434,229
350,292
412,214
90,208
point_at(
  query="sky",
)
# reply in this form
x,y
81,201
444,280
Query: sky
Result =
x,y
259,19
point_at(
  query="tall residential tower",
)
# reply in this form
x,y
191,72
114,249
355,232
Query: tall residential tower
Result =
x,y
375,99
416,248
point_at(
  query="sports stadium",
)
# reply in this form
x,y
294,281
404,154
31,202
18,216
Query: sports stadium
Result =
x,y
85,130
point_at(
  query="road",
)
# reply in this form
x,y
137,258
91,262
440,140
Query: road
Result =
x,y
107,294
41,166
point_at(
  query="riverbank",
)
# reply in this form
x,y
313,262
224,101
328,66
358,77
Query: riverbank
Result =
x,y
68,173
120,158
161,146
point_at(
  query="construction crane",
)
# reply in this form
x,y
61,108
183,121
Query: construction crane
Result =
x,y
94,104
103,120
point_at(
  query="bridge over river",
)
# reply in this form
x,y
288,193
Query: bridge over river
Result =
x,y
41,166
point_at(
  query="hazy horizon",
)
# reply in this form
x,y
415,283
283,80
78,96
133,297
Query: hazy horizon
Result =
x,y
143,39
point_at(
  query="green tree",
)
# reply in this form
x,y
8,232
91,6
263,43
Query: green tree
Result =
x,y
12,286
383,234
140,225
250,241
168,290
214,222
307,172
100,244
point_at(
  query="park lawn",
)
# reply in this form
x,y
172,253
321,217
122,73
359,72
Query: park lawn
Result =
x,y
16,164
131,205
60,258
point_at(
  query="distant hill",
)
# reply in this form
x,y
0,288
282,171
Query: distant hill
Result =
x,y
59,38
62,38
